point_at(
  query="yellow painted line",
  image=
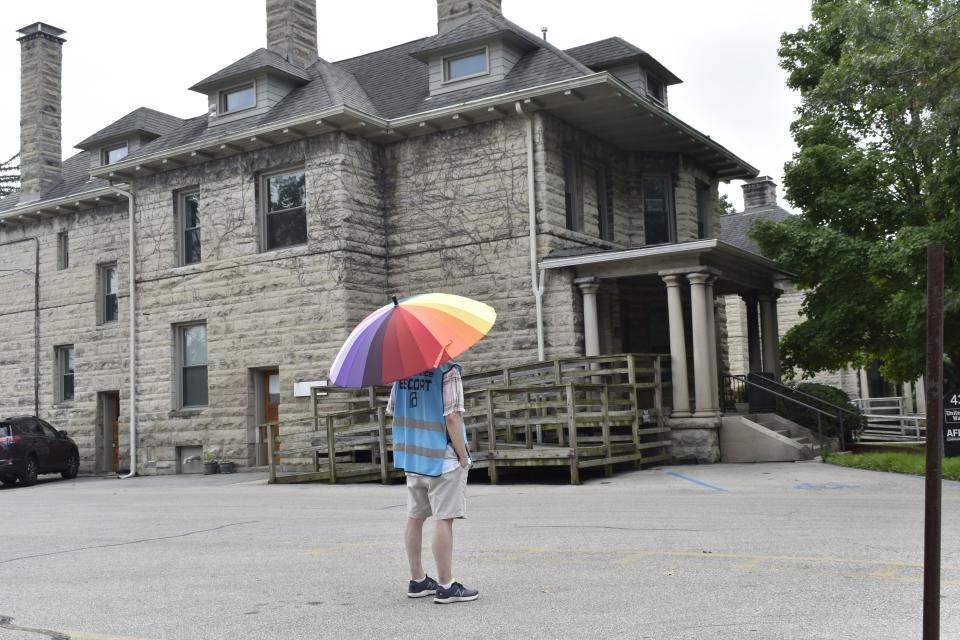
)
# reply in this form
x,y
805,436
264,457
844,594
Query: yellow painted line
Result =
x,y
633,557
526,553
83,635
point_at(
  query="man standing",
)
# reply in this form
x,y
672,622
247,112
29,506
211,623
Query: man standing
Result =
x,y
430,444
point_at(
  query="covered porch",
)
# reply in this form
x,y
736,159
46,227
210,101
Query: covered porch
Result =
x,y
663,298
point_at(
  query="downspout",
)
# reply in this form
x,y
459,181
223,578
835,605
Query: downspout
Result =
x,y
36,317
131,252
535,283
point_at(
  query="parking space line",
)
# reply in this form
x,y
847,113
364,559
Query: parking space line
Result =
x,y
699,482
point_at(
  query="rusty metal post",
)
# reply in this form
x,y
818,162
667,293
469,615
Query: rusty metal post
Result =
x,y
934,488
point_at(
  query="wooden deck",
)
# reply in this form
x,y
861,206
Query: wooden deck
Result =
x,y
576,413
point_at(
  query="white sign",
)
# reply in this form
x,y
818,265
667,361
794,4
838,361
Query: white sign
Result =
x,y
302,389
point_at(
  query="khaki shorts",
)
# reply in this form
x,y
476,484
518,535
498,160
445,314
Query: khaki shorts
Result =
x,y
443,497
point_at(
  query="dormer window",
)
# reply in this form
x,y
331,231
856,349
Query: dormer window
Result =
x,y
654,88
116,153
465,65
238,98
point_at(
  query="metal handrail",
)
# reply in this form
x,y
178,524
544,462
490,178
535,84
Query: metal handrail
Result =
x,y
819,412
802,393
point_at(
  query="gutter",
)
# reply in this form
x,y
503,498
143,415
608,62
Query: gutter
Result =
x,y
36,317
131,252
535,283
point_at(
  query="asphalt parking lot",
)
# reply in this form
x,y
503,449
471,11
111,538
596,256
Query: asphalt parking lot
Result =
x,y
799,551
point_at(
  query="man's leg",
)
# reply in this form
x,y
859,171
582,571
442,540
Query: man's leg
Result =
x,y
443,550
413,539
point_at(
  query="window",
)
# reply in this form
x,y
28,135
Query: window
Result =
x,y
63,250
115,153
192,360
188,221
571,193
604,211
109,284
656,210
238,98
63,386
703,210
654,88
465,65
284,213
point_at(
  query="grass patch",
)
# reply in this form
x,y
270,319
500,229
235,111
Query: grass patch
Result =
x,y
912,463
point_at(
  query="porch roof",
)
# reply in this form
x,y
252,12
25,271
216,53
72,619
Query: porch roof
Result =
x,y
740,271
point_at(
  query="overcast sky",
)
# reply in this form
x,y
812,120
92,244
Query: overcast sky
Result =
x,y
121,55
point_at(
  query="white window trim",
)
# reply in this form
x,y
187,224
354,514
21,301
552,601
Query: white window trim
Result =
x,y
263,205
463,54
102,293
60,369
63,250
181,212
178,344
220,98
105,152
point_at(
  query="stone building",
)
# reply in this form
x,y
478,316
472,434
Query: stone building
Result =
x,y
183,280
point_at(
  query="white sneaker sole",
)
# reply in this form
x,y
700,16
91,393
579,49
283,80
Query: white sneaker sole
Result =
x,y
456,599
422,594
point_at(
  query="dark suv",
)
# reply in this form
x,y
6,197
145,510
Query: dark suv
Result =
x,y
29,446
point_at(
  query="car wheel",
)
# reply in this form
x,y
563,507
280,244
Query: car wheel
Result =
x,y
73,465
29,476
8,480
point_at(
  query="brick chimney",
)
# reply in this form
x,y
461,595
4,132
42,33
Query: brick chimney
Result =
x,y
292,30
41,64
759,193
453,13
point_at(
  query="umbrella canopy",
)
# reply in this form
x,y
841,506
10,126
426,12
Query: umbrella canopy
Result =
x,y
408,336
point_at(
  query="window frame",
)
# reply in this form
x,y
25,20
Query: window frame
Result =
x,y
264,213
659,95
180,207
105,153
180,364
669,206
572,193
63,250
445,65
60,363
103,282
704,218
604,204
222,97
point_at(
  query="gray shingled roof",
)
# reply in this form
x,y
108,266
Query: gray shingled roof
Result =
x,y
256,61
142,119
481,25
75,179
735,228
613,50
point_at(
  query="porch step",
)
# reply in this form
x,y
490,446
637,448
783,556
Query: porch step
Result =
x,y
748,439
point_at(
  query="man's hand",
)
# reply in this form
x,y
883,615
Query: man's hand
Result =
x,y
464,462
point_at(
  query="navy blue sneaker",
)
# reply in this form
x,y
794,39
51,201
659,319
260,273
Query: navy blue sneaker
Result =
x,y
456,593
426,587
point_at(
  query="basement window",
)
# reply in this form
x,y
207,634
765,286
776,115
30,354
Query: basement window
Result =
x,y
116,153
465,65
238,98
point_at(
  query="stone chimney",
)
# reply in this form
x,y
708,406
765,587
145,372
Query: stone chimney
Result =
x,y
41,64
292,30
453,13
759,193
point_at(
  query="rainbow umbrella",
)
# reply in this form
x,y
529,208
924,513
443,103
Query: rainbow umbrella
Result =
x,y
408,336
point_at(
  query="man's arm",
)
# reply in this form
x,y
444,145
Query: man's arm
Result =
x,y
452,412
455,431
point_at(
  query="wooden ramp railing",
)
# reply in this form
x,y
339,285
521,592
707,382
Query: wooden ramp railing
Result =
x,y
576,413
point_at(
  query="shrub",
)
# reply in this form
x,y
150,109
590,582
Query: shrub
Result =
x,y
853,422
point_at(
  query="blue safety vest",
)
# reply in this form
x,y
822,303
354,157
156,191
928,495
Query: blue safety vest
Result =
x,y
419,428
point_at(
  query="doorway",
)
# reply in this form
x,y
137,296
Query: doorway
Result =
x,y
267,391
108,432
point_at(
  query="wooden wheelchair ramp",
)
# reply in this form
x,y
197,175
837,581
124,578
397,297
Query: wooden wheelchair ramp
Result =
x,y
572,413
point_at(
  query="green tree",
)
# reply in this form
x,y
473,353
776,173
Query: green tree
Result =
x,y
10,176
876,177
724,206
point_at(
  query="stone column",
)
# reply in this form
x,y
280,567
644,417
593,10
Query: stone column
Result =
x,y
753,334
591,326
712,337
770,334
678,348
703,396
